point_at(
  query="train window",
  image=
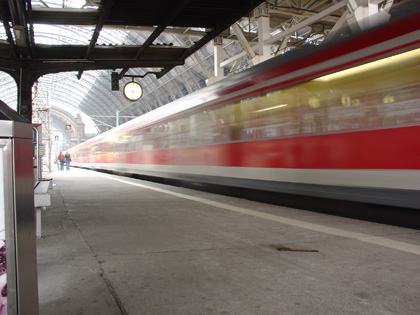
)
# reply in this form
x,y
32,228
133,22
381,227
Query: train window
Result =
x,y
373,98
367,100
370,99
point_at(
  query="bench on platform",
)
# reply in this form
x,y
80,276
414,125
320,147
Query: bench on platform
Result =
x,y
42,200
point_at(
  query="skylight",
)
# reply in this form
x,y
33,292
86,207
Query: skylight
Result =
x,y
66,4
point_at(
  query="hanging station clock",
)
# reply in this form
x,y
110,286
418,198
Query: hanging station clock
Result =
x,y
133,91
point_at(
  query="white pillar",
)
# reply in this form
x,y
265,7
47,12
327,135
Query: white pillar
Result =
x,y
367,14
264,50
218,59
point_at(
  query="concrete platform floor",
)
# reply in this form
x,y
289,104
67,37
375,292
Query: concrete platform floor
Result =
x,y
114,245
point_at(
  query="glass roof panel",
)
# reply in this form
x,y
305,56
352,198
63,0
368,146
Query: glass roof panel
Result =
x,y
62,35
115,37
75,35
53,81
73,4
8,91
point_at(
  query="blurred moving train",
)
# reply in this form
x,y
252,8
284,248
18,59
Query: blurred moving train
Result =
x,y
338,121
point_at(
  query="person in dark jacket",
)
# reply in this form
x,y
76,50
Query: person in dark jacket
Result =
x,y
68,160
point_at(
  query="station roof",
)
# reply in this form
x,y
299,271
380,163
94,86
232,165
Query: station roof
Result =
x,y
59,36
19,18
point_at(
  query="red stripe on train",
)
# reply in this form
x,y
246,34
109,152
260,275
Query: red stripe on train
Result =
x,y
393,148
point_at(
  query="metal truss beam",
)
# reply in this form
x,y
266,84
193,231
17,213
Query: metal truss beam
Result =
x,y
246,8
173,14
315,18
243,41
179,31
103,15
286,39
7,29
42,67
197,58
22,34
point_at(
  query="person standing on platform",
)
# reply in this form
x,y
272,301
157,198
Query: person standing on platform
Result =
x,y
61,158
68,160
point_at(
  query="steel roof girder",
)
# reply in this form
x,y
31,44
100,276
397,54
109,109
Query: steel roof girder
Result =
x,y
186,40
46,67
69,16
64,53
244,10
104,11
307,22
168,19
243,40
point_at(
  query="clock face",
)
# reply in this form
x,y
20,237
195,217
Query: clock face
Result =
x,y
133,91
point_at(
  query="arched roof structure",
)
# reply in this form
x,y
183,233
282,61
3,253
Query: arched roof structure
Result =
x,y
92,95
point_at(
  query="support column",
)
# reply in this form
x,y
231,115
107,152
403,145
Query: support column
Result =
x,y
218,59
24,81
364,14
264,50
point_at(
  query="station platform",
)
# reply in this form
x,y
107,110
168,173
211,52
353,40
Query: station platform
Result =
x,y
115,245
